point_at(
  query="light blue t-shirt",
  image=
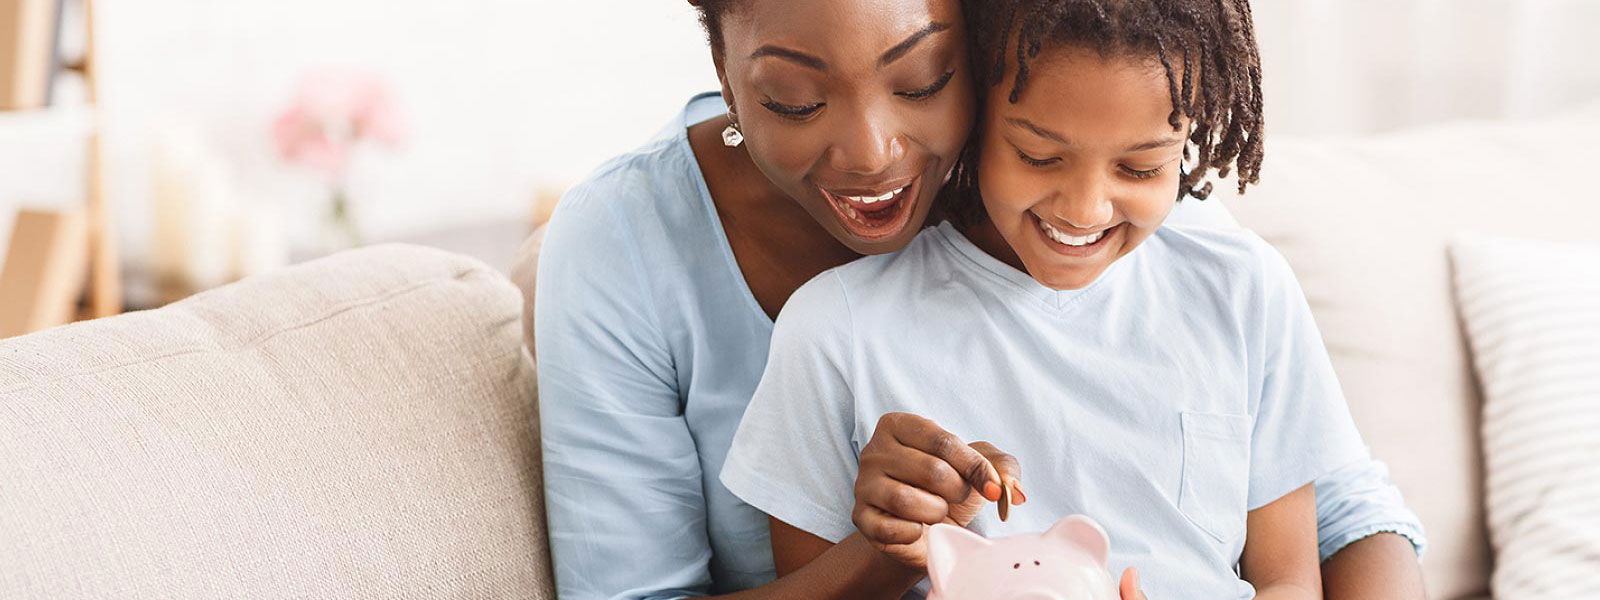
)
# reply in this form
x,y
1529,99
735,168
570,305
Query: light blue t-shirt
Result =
x,y
650,345
1185,387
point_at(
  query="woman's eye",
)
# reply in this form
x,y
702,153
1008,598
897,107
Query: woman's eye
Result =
x,y
928,92
790,110
1138,174
1036,162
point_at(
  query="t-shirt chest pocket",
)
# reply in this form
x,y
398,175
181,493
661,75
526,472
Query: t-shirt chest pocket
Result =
x,y
1214,493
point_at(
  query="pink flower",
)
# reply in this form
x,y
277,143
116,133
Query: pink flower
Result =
x,y
333,112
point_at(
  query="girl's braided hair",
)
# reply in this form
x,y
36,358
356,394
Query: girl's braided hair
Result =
x,y
1207,48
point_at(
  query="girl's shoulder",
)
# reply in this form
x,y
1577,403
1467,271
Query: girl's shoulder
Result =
x,y
1224,258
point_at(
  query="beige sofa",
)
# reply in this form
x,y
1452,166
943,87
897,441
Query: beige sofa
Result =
x,y
364,426
357,427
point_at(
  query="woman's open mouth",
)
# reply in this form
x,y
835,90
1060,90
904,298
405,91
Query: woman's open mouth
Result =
x,y
874,213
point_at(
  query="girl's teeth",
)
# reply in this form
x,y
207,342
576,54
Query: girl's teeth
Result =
x,y
1070,240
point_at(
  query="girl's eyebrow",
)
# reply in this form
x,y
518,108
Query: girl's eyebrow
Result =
x,y
1061,139
1037,130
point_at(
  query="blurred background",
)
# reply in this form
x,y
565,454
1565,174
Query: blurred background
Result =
x,y
489,108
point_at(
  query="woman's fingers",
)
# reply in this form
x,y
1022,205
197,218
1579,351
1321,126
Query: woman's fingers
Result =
x,y
901,499
1006,465
922,434
918,469
1130,585
885,529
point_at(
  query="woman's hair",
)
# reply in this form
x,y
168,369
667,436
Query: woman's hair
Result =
x,y
711,13
1207,47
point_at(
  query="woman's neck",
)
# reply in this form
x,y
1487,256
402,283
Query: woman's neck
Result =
x,y
778,245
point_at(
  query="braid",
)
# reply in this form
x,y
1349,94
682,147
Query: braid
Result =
x,y
1216,84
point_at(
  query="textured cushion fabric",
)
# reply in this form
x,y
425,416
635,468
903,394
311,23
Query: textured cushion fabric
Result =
x,y
355,427
1532,313
1365,223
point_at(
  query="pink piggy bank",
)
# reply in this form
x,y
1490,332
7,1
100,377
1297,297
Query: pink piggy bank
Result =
x,y
1068,562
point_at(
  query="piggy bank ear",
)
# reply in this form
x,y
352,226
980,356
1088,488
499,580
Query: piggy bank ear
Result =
x,y
1082,532
946,545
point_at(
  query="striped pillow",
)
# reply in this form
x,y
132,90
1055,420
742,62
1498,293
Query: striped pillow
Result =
x,y
1532,313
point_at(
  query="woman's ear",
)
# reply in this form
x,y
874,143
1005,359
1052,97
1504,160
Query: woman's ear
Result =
x,y
722,79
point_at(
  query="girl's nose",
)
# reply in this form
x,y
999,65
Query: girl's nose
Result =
x,y
1084,203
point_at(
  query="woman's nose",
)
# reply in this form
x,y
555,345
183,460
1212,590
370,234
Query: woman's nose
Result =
x,y
868,147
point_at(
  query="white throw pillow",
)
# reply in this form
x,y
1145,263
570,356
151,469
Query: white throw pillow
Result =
x,y
1532,313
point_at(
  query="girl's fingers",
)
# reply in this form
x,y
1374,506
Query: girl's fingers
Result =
x,y
925,435
883,528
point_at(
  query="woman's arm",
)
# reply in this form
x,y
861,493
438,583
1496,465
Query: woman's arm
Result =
x,y
1382,566
1280,549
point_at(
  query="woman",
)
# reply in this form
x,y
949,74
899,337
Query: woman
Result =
x,y
837,123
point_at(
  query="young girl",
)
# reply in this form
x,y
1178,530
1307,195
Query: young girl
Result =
x,y
1168,382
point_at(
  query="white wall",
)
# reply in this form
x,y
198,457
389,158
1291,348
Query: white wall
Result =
x,y
505,97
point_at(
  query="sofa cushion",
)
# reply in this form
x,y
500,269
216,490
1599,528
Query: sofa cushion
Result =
x,y
358,426
1365,223
1532,314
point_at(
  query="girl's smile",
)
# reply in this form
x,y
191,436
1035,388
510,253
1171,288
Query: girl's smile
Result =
x,y
1081,169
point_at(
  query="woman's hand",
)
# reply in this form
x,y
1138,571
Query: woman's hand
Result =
x,y
915,474
1129,589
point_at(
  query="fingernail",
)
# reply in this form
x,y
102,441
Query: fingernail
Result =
x,y
991,491
1017,487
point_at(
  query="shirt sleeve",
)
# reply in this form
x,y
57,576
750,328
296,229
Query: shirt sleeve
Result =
x,y
1358,501
1303,430
794,456
623,488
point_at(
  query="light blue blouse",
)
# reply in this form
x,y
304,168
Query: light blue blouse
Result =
x,y
650,346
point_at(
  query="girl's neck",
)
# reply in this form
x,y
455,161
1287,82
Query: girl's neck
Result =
x,y
987,238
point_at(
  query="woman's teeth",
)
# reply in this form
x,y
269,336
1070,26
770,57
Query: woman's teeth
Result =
x,y
1070,240
875,199
848,204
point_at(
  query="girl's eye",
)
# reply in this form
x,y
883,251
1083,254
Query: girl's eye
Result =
x,y
931,90
1137,174
1036,162
792,111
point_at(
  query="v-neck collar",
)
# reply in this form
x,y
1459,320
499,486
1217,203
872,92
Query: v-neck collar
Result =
x,y
1015,279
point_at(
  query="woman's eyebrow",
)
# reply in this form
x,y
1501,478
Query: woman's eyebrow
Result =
x,y
813,62
795,56
900,49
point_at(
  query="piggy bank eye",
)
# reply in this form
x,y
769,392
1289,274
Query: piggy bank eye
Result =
x,y
1036,563
1017,566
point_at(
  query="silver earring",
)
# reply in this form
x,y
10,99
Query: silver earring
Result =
x,y
731,136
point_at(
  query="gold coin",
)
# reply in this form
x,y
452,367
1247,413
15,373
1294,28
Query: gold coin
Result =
x,y
1005,501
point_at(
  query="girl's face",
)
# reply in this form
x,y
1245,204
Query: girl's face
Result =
x,y
1083,167
857,109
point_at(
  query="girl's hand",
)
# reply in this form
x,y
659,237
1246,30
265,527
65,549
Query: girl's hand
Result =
x,y
915,474
1130,585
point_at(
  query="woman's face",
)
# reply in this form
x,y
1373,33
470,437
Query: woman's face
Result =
x,y
857,109
1084,166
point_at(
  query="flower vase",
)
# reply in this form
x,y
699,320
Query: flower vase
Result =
x,y
339,230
